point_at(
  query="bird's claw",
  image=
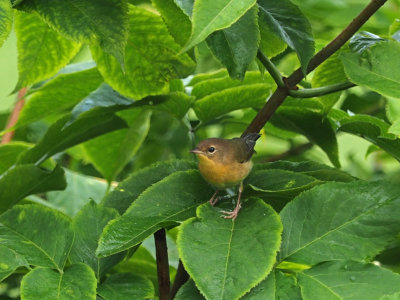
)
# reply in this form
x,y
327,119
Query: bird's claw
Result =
x,y
231,214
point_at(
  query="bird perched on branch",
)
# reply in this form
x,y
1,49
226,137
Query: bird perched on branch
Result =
x,y
225,163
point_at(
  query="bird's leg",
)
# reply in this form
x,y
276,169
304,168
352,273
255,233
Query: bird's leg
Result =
x,y
233,214
214,198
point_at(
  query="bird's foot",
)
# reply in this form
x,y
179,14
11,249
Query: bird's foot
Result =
x,y
214,201
214,198
231,214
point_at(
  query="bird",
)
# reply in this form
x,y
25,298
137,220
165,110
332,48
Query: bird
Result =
x,y
225,163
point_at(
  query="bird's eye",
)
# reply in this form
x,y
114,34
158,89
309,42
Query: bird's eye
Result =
x,y
211,149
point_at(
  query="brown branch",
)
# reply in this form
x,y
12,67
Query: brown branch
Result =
x,y
160,240
281,93
8,136
180,278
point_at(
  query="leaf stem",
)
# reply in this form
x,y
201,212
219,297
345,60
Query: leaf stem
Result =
x,y
271,68
160,240
320,91
277,98
8,136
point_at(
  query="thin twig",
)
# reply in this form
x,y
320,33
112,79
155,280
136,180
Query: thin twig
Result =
x,y
180,278
8,136
160,240
281,93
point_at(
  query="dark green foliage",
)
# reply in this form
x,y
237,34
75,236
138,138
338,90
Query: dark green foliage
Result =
x,y
118,92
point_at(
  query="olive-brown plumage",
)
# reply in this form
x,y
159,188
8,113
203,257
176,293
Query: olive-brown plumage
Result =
x,y
225,163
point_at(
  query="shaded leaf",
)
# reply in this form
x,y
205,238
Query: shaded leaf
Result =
x,y
175,103
375,69
306,118
9,262
150,55
64,134
212,15
340,221
254,235
170,200
126,286
75,283
80,190
287,21
21,181
88,224
129,189
103,22
372,129
109,153
59,94
6,20
348,280
41,50
9,154
270,43
40,235
236,46
329,72
189,291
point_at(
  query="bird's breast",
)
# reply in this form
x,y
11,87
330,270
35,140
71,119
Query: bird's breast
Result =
x,y
223,175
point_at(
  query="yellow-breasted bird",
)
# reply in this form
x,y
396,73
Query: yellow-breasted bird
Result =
x,y
225,163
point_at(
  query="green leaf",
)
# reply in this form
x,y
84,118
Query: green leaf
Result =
x,y
88,224
170,200
126,286
41,50
24,180
109,153
177,21
9,154
189,291
129,189
270,43
80,190
395,128
287,21
372,129
318,171
364,40
9,262
347,280
151,58
306,118
59,94
253,236
175,103
103,23
63,134
6,20
329,72
265,290
75,283
42,236
375,69
340,221
222,95
209,16
236,47
278,187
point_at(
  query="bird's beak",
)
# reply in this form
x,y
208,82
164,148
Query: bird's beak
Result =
x,y
196,151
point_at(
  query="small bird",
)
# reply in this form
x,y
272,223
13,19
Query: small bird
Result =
x,y
225,163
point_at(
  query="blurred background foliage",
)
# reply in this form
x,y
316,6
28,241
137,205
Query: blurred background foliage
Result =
x,y
170,138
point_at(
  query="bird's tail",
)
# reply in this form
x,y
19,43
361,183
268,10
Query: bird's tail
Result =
x,y
251,139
